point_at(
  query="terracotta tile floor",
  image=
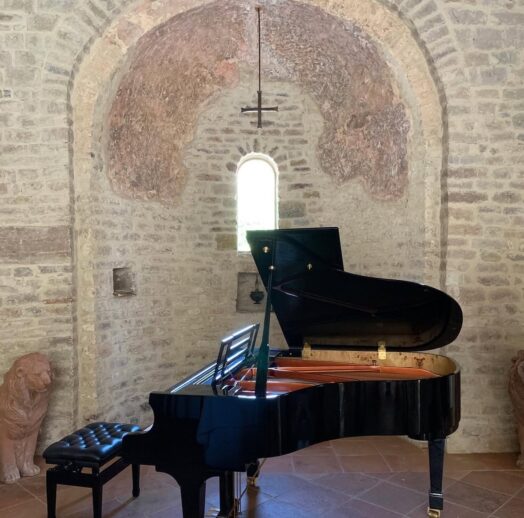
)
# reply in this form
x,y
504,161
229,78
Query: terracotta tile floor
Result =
x,y
374,477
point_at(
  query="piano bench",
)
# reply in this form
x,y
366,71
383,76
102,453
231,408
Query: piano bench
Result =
x,y
90,447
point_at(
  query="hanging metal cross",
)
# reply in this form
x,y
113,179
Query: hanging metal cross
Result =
x,y
259,108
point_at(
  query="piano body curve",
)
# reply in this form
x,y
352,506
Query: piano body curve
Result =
x,y
357,365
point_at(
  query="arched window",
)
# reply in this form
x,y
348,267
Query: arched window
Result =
x,y
256,196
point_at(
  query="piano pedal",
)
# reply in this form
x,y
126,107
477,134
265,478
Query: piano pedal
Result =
x,y
253,471
433,513
214,512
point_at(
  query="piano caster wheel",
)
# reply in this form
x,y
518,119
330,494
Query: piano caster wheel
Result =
x,y
433,513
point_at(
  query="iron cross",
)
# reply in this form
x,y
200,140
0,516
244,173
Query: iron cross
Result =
x,y
259,108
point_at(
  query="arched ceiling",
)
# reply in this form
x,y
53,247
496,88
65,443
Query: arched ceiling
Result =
x,y
177,67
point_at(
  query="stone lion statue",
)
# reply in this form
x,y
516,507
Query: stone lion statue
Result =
x,y
24,396
516,393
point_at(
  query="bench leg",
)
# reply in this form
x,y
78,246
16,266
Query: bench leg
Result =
x,y
97,501
51,495
136,479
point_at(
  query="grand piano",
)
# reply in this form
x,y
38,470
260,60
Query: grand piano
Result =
x,y
356,365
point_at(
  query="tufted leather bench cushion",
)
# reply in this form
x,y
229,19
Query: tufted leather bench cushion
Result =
x,y
95,444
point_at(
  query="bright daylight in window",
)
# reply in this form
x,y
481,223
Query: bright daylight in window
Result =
x,y
256,198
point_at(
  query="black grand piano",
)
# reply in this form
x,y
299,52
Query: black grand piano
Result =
x,y
356,365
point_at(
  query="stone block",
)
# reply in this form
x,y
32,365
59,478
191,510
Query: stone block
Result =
x,y
493,280
468,16
23,76
56,5
513,93
514,37
493,75
463,172
507,197
471,295
409,5
32,244
488,39
16,5
42,21
24,58
510,18
518,120
424,11
506,57
467,197
503,295
299,186
14,41
292,209
226,241
431,23
23,272
5,59
476,59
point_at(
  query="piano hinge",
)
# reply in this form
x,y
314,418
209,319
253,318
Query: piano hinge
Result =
x,y
306,351
382,350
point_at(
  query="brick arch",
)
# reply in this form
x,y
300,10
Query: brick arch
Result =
x,y
426,57
430,29
423,32
120,30
92,61
425,37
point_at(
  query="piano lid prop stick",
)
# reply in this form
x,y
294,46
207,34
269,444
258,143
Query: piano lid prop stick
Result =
x,y
263,352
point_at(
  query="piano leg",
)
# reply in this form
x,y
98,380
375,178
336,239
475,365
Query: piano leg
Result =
x,y
227,494
436,468
193,494
192,490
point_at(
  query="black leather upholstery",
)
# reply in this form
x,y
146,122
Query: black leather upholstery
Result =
x,y
94,444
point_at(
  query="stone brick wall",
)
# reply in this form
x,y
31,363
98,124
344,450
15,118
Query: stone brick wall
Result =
x,y
456,66
485,186
197,258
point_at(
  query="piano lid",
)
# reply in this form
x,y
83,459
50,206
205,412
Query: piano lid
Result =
x,y
315,301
